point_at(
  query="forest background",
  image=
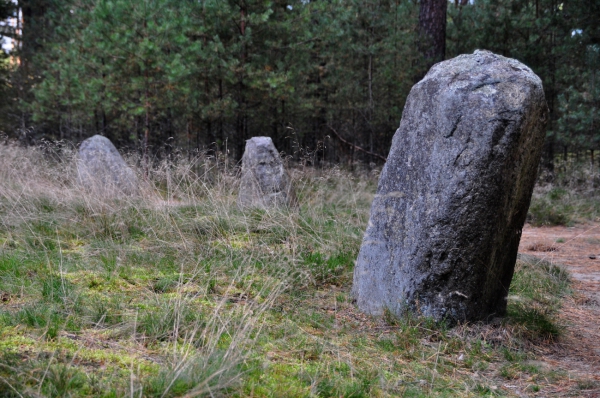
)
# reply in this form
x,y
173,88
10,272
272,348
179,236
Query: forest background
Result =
x,y
326,79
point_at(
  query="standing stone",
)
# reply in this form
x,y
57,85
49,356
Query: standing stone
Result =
x,y
265,182
102,170
452,198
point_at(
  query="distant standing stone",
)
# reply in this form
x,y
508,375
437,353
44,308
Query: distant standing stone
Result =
x,y
452,199
101,168
265,183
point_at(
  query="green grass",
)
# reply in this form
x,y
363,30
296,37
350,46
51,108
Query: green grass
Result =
x,y
178,292
571,196
537,290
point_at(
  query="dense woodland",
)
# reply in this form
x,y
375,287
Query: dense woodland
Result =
x,y
326,79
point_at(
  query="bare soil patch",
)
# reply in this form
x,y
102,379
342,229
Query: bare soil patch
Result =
x,y
577,352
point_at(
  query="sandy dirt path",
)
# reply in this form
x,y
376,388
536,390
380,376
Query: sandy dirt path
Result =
x,y
577,248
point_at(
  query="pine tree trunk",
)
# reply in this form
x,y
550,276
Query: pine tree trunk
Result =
x,y
432,27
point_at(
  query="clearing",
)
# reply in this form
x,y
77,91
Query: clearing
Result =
x,y
179,293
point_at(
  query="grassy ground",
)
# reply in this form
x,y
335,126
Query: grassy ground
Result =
x,y
568,197
177,292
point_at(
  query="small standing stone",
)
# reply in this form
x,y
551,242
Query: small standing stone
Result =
x,y
102,170
265,183
452,199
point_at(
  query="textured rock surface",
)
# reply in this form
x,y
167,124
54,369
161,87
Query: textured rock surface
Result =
x,y
265,182
101,168
446,221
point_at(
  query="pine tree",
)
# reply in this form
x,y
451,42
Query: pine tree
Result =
x,y
555,40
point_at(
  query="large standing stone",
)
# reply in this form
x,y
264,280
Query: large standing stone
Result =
x,y
452,198
265,182
102,170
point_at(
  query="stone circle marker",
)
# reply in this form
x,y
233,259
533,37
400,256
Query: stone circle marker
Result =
x,y
265,183
102,170
452,199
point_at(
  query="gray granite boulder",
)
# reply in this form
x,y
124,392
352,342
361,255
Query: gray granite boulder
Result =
x,y
265,183
452,198
102,170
